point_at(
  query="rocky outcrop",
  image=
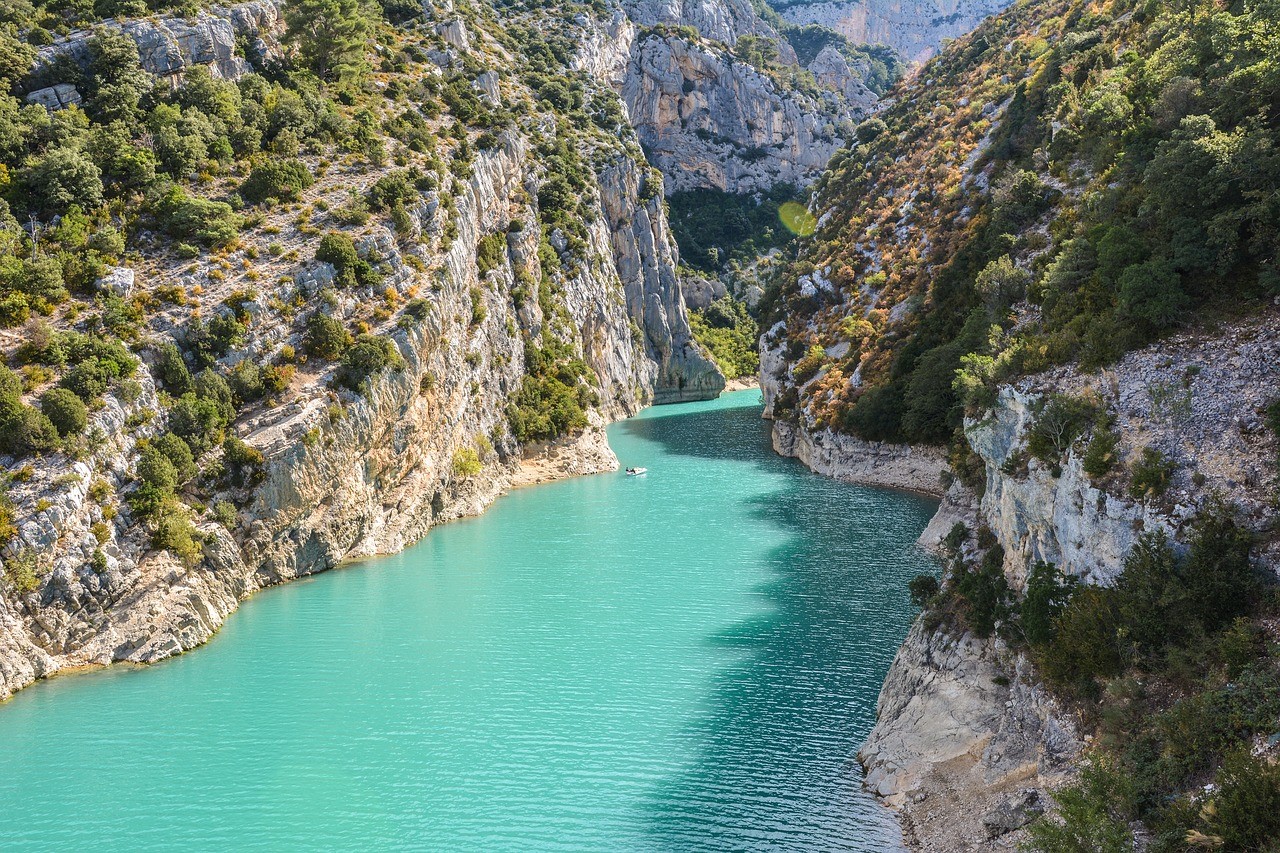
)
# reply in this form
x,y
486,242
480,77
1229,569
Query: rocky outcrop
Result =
x,y
872,463
832,69
347,475
961,726
967,744
914,28
722,20
1196,398
646,263
707,119
169,46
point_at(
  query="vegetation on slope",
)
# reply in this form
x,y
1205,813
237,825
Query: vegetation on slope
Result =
x,y
730,334
1175,666
714,228
878,66
1070,181
233,201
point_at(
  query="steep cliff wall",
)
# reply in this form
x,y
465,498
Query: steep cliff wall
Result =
x,y
968,745
915,28
707,119
471,278
350,476
169,46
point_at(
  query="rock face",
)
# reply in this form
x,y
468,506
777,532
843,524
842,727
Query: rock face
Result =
x,y
709,120
721,20
966,740
646,263
961,725
706,118
169,46
872,463
356,475
914,28
56,97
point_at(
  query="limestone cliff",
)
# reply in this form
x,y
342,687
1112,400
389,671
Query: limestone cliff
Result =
x,y
473,277
707,119
169,46
967,745
914,28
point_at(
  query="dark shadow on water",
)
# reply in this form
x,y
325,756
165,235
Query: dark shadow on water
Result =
x,y
737,433
775,767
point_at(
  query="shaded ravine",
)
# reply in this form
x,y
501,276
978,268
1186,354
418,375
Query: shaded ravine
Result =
x,y
685,661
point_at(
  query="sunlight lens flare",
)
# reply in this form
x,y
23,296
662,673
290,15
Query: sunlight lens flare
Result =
x,y
797,219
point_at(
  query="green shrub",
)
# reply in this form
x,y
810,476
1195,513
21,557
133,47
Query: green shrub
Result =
x,y
351,270
224,512
65,411
1152,474
1152,294
922,589
417,308
390,190
1245,807
1001,283
284,180
199,421
369,354
243,463
466,462
955,538
1086,643
60,178
1272,413
1100,456
325,337
491,252
1061,420
1048,593
23,429
20,571
178,452
985,591
1092,816
88,380
174,532
211,223
246,382
157,480
478,310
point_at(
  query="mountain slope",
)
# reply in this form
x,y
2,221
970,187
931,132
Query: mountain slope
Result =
x,y
272,322
1054,255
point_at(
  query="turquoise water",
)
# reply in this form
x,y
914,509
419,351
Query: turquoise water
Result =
x,y
685,661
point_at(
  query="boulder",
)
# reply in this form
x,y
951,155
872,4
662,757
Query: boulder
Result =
x,y
55,97
117,280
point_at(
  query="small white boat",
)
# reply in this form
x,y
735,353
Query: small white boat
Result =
x,y
636,472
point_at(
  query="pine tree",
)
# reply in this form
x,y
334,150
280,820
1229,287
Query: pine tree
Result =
x,y
329,36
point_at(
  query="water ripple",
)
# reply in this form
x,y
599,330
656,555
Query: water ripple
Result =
x,y
682,662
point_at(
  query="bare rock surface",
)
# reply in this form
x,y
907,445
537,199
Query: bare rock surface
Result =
x,y
168,46
915,28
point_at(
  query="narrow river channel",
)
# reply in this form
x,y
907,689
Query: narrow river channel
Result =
x,y
683,661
